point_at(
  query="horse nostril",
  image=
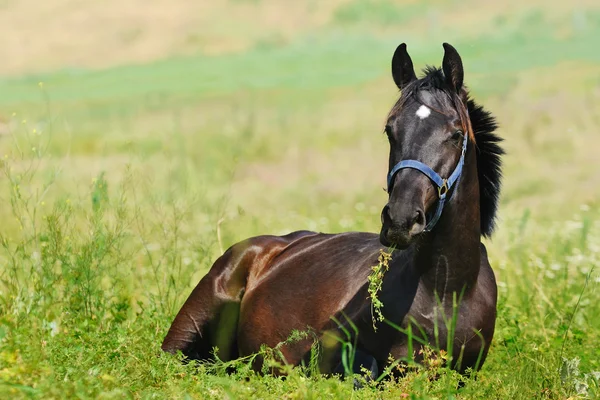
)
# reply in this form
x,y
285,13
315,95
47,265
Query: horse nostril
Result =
x,y
385,214
419,218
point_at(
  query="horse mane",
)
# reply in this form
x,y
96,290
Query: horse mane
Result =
x,y
489,164
487,143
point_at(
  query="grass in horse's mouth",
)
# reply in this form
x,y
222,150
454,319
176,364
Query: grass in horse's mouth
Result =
x,y
375,283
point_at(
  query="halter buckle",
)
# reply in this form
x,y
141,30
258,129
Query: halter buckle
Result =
x,y
442,190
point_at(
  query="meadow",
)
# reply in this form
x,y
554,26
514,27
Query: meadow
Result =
x,y
138,141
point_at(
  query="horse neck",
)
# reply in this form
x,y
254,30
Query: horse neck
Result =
x,y
448,258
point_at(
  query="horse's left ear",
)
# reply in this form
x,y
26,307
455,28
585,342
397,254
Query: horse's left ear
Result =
x,y
453,67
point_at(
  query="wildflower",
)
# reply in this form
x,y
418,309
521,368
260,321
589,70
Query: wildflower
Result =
x,y
376,282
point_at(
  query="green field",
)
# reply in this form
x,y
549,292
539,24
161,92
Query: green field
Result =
x,y
134,150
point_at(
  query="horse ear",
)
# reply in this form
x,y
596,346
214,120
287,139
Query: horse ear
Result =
x,y
402,67
453,67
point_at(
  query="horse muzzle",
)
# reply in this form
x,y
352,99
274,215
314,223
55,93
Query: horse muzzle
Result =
x,y
400,228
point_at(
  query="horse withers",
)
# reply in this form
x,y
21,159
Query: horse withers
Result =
x,y
443,184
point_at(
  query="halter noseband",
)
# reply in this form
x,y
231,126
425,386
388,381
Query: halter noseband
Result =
x,y
443,185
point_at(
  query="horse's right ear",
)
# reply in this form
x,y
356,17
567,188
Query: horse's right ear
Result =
x,y
402,67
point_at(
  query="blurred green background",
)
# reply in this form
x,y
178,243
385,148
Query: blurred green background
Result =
x,y
291,98
196,124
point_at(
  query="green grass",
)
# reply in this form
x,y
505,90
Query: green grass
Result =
x,y
114,182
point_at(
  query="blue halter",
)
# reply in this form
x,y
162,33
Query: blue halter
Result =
x,y
443,185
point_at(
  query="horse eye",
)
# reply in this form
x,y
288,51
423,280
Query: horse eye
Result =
x,y
458,134
388,132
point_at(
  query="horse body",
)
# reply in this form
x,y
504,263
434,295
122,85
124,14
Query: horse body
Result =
x,y
252,298
264,288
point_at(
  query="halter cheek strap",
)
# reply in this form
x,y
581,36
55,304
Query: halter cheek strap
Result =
x,y
443,185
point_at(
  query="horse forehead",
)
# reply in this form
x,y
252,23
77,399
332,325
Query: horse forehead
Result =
x,y
427,111
427,96
423,111
427,108
434,98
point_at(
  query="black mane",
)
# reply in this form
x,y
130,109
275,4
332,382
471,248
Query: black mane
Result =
x,y
489,164
489,152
